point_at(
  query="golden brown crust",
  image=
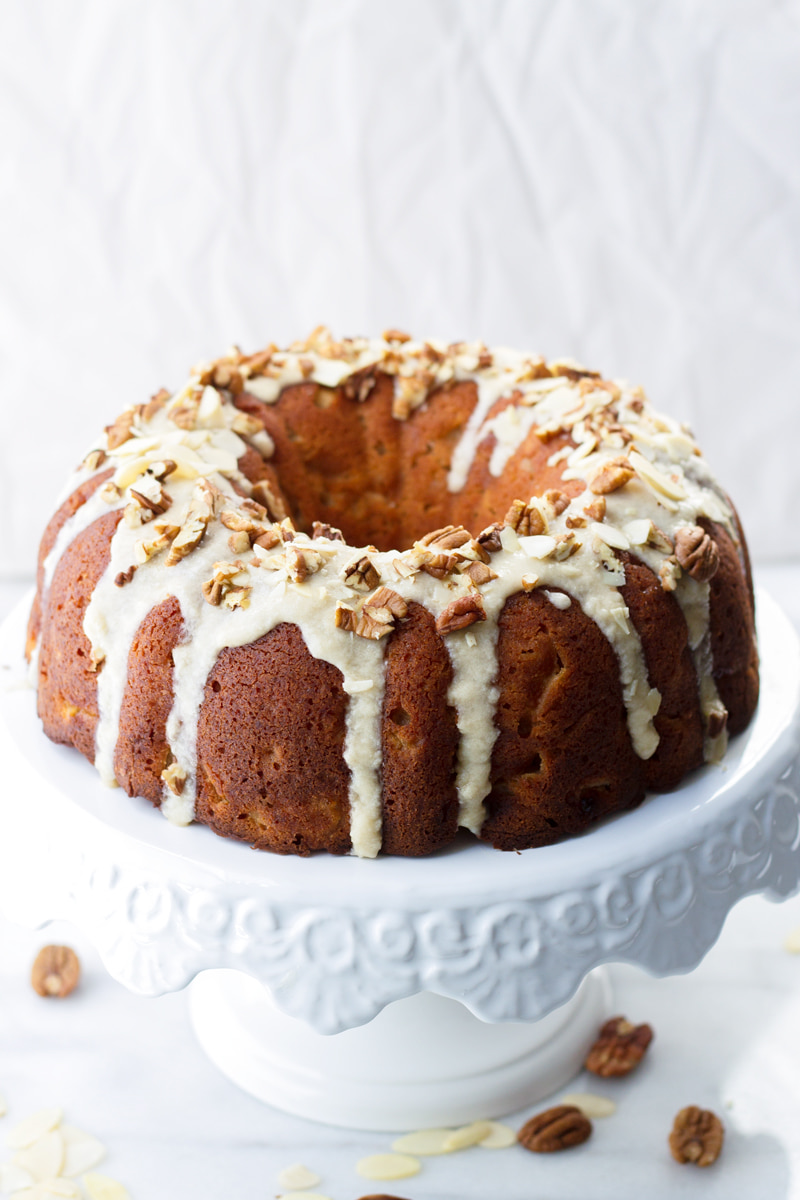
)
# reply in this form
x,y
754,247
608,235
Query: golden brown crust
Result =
x,y
270,765
142,751
658,620
733,645
68,509
67,697
563,757
419,740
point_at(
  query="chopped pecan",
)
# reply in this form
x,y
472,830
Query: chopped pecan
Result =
x,y
557,1128
94,459
596,509
125,576
438,565
246,424
396,335
575,522
525,519
359,385
697,553
374,623
489,538
697,1136
154,499
263,494
460,613
485,360
669,573
559,501
389,599
267,540
302,562
120,431
448,538
239,543
361,575
410,392
321,530
345,617
479,573
619,1048
160,470
201,509
566,545
154,404
612,476
175,778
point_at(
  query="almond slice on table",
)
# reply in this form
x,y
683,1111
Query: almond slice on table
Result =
x,y
33,1127
386,1166
590,1104
81,1151
467,1135
298,1178
102,1187
44,1158
499,1137
424,1142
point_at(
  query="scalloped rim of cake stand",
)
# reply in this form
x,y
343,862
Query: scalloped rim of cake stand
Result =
x,y
510,935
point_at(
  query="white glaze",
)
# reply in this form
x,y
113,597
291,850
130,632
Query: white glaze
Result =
x,y
674,489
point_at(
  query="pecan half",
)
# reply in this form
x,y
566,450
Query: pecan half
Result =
x,y
460,613
555,1129
696,1137
697,553
619,1048
449,538
120,431
56,971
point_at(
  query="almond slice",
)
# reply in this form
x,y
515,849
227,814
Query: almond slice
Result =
x,y
102,1187
297,1178
32,1128
378,1166
81,1151
467,1135
499,1137
423,1142
590,1104
44,1157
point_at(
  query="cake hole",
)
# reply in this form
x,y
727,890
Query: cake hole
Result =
x,y
380,449
533,766
215,686
525,726
553,824
399,716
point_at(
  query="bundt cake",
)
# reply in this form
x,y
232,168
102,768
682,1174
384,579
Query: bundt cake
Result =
x,y
355,595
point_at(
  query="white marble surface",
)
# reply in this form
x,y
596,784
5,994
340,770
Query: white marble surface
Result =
x,y
128,1070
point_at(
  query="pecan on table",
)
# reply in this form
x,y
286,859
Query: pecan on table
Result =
x,y
555,1129
619,1048
697,1136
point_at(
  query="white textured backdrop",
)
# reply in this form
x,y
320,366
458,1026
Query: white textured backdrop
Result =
x,y
617,180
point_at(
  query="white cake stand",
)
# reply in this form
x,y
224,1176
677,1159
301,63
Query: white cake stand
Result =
x,y
456,986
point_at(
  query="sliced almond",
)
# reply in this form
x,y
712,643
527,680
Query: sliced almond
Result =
x,y
499,1137
102,1187
297,1178
81,1151
467,1135
13,1178
44,1157
590,1104
381,1166
423,1142
32,1128
57,1189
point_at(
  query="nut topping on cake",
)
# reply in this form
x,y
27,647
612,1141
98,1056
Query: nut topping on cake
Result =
x,y
460,613
527,520
361,575
612,476
697,553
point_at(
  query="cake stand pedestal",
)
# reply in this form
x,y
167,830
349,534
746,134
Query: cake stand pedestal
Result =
x,y
399,993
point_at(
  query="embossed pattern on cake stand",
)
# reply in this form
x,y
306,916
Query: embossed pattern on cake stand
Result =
x,y
459,985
